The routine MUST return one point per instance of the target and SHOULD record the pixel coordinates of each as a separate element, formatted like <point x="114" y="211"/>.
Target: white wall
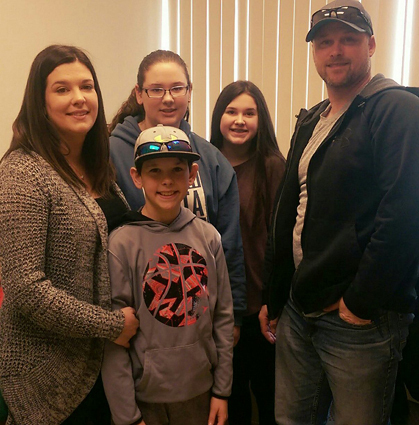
<point x="117" y="34"/>
<point x="112" y="32"/>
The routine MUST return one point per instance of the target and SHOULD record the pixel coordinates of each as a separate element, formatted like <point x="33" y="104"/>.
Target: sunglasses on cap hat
<point x="171" y="146"/>
<point x="350" y="15"/>
<point x="163" y="141"/>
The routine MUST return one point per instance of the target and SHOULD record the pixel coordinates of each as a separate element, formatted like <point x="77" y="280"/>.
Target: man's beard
<point x="350" y="79"/>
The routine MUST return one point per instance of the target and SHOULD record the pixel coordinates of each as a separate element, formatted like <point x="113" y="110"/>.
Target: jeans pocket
<point x="403" y="321"/>
<point x="348" y="325"/>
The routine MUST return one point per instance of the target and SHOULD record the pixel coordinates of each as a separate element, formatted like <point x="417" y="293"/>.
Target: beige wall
<point x="119" y="33"/>
<point x="112" y="32"/>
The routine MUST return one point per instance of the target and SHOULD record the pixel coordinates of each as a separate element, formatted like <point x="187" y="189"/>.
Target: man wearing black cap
<point x="343" y="257"/>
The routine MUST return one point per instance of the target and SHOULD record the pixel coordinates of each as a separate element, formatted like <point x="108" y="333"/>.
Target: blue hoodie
<point x="214" y="197"/>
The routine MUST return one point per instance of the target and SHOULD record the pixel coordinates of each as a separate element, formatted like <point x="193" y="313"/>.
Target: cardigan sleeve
<point x="25" y="202"/>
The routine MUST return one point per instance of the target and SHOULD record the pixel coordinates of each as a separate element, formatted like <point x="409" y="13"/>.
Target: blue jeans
<point x="325" y="358"/>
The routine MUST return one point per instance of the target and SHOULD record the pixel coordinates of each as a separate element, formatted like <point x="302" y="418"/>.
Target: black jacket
<point x="360" y="238"/>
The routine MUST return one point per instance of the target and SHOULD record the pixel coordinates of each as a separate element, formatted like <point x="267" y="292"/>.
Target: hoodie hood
<point x="128" y="131"/>
<point x="185" y="126"/>
<point x="136" y="218"/>
<point x="378" y="84"/>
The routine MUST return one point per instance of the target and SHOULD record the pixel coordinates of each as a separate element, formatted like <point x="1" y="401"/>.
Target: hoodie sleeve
<point x="223" y="324"/>
<point x="222" y="195"/>
<point x="228" y="224"/>
<point x="117" y="376"/>
<point x="121" y="145"/>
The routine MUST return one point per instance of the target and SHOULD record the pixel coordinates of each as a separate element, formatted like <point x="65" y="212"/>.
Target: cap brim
<point x="190" y="156"/>
<point x="312" y="33"/>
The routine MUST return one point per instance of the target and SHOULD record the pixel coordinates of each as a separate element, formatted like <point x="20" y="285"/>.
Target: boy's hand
<point x="130" y="327"/>
<point x="218" y="412"/>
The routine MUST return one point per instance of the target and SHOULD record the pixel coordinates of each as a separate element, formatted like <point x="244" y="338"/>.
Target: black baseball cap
<point x="349" y="12"/>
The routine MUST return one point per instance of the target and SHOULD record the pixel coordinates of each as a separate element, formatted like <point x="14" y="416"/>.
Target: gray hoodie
<point x="175" y="276"/>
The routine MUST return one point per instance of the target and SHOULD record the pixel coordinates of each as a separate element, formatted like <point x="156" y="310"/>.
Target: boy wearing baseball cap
<point x="170" y="267"/>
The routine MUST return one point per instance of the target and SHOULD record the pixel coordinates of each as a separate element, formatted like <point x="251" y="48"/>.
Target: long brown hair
<point x="34" y="132"/>
<point x="131" y="107"/>
<point x="264" y="143"/>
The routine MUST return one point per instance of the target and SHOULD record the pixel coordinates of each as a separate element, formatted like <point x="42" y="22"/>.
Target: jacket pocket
<point x="331" y="251"/>
<point x="175" y="374"/>
<point x="331" y="256"/>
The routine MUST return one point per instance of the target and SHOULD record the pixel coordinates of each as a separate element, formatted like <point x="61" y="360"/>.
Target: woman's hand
<point x="130" y="327"/>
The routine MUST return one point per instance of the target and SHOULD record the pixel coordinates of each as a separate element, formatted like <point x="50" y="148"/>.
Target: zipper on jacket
<point x="290" y="153"/>
<point x="278" y="201"/>
<point x="329" y="137"/>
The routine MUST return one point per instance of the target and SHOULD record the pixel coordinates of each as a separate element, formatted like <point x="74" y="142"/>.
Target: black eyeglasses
<point x="159" y="92"/>
<point x="172" y="146"/>
<point x="345" y="13"/>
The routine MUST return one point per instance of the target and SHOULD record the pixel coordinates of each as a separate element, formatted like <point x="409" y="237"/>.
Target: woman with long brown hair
<point x="57" y="201"/>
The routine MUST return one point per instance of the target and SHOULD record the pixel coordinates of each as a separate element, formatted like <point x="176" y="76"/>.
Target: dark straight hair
<point x="34" y="132"/>
<point x="264" y="143"/>
<point x="131" y="107"/>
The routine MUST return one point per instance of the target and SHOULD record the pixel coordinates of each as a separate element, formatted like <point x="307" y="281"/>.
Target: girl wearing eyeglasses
<point x="161" y="96"/>
<point x="242" y="129"/>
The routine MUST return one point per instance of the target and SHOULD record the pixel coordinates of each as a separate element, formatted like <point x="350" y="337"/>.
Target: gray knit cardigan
<point x="56" y="311"/>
